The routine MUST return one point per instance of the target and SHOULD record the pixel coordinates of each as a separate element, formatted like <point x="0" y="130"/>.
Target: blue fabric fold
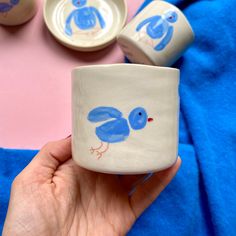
<point x="12" y="163"/>
<point x="201" y="198"/>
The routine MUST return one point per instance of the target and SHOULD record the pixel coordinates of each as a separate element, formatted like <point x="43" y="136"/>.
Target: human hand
<point x="54" y="196"/>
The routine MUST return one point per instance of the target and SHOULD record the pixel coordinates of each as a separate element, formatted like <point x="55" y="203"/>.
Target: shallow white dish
<point x="85" y="25"/>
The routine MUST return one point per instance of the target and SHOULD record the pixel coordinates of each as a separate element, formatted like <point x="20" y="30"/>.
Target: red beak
<point x="150" y="119"/>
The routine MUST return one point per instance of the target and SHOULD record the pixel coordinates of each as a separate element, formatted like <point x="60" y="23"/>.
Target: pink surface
<point x="35" y="82"/>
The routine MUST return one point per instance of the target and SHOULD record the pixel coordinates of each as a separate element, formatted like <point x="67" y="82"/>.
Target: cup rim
<point x="152" y="67"/>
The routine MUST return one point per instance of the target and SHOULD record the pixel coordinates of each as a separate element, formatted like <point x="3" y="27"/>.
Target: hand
<point x="54" y="196"/>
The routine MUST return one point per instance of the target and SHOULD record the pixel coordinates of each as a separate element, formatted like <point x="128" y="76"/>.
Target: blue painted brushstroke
<point x="117" y="130"/>
<point x="159" y="27"/>
<point x="113" y="131"/>
<point x="138" y="118"/>
<point x="103" y="113"/>
<point x="84" y="17"/>
<point x="6" y="7"/>
<point x="165" y="41"/>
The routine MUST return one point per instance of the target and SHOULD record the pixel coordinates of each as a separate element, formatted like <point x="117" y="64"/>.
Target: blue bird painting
<point x="116" y="129"/>
<point x="85" y="17"/>
<point x="5" y="7"/>
<point x="159" y="27"/>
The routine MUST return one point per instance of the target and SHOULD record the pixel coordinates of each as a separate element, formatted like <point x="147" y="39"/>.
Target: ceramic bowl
<point x="16" y="12"/>
<point x="158" y="35"/>
<point x="125" y="118"/>
<point x="85" y="25"/>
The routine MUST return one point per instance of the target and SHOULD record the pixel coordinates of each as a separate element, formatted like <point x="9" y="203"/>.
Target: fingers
<point x="148" y="191"/>
<point x="53" y="154"/>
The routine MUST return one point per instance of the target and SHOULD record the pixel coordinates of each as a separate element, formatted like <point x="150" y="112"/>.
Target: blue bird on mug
<point x="160" y="27"/>
<point x="116" y="129"/>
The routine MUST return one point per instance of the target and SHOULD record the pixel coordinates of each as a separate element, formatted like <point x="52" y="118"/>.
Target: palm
<point x="65" y="199"/>
<point x="90" y="203"/>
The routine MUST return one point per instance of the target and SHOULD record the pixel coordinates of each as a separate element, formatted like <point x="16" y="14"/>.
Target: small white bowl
<point x="85" y="25"/>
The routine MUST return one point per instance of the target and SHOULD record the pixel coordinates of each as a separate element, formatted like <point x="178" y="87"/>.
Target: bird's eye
<point x="140" y="113"/>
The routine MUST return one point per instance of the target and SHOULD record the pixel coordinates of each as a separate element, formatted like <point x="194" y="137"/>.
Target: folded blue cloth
<point x="201" y="198"/>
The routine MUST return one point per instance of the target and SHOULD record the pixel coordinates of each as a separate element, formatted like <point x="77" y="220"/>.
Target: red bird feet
<point x="99" y="150"/>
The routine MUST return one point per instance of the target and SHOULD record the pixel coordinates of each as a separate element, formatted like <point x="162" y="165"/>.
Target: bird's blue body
<point x="116" y="130"/>
<point x="158" y="27"/>
<point x="84" y="17"/>
<point x="113" y="131"/>
<point x="6" y="7"/>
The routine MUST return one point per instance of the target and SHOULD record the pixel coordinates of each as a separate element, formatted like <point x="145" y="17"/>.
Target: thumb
<point x="53" y="154"/>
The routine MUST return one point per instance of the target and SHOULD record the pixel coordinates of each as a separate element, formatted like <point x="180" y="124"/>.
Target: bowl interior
<point x="85" y="23"/>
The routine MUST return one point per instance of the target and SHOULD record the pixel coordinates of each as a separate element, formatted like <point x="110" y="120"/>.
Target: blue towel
<point x="201" y="198"/>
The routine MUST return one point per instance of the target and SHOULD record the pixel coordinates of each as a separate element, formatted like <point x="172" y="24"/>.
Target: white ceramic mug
<point x="158" y="35"/>
<point x="16" y="12"/>
<point x="125" y="118"/>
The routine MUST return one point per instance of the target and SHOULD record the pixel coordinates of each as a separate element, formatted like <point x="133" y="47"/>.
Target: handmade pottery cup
<point x="125" y="118"/>
<point x="16" y="12"/>
<point x="158" y="35"/>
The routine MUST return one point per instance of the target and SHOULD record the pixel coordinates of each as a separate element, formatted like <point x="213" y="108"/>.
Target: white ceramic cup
<point x="158" y="35"/>
<point x="125" y="118"/>
<point x="16" y="12"/>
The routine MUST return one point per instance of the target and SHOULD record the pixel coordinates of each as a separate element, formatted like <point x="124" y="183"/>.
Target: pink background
<point x="35" y="82"/>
